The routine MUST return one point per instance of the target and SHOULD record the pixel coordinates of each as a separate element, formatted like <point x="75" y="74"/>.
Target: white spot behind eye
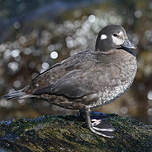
<point x="103" y="36"/>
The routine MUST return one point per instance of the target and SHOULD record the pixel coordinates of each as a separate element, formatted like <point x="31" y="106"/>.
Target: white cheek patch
<point x="117" y="41"/>
<point x="120" y="34"/>
<point x="103" y="36"/>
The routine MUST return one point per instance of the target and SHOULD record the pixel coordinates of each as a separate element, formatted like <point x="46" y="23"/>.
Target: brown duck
<point x="88" y="79"/>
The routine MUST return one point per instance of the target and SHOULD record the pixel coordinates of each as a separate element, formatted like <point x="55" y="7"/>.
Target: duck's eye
<point x="115" y="35"/>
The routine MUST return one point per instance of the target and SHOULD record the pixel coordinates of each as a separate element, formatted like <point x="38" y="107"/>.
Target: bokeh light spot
<point x="54" y="55"/>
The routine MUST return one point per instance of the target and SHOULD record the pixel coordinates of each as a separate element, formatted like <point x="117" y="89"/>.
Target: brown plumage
<point x="90" y="78"/>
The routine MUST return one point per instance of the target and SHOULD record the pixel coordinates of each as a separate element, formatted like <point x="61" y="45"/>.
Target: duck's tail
<point x="18" y="95"/>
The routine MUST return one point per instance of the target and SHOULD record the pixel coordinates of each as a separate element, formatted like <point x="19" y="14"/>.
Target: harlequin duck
<point x="88" y="79"/>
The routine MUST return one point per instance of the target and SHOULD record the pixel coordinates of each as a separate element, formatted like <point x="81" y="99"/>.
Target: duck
<point x="88" y="79"/>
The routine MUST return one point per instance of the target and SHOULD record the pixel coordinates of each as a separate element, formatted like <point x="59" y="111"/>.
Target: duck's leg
<point x="95" y="125"/>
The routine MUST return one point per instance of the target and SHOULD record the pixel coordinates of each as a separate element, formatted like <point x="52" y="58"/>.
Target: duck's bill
<point x="128" y="44"/>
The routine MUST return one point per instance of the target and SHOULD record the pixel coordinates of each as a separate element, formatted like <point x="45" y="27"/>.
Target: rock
<point x="69" y="134"/>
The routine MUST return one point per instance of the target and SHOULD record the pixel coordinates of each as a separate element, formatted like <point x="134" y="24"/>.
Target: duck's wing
<point x="74" y="84"/>
<point x="59" y="70"/>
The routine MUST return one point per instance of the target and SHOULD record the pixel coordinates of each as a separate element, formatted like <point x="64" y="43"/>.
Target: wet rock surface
<point x="68" y="133"/>
<point x="34" y="44"/>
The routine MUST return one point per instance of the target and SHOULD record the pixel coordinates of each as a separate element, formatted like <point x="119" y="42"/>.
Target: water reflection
<point x="13" y="66"/>
<point x="35" y="46"/>
<point x="54" y="55"/>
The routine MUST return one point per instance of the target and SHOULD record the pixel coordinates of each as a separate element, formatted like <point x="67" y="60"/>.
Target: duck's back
<point x="80" y="61"/>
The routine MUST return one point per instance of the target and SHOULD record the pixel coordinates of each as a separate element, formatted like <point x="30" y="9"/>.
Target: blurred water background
<point x="35" y="34"/>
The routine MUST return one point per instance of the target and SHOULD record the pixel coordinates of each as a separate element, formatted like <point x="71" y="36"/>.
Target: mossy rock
<point x="69" y="134"/>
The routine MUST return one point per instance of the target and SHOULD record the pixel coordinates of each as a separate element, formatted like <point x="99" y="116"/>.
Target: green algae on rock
<point x="68" y="133"/>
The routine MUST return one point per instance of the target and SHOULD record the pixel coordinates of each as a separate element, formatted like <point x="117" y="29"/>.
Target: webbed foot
<point x="97" y="126"/>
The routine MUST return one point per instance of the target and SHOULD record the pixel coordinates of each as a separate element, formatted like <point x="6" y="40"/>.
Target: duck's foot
<point x="98" y="126"/>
